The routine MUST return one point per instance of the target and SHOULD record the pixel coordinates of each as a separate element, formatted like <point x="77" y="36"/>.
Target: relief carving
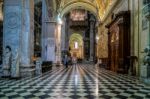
<point x="7" y="61"/>
<point x="12" y="20"/>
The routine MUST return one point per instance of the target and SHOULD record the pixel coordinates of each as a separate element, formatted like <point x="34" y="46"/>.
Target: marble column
<point x="58" y="44"/>
<point x="67" y="33"/>
<point x="18" y="32"/>
<point x="48" y="34"/>
<point x="92" y="39"/>
<point x="27" y="38"/>
<point x="63" y="34"/>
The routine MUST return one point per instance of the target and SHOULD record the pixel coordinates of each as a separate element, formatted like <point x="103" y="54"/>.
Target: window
<point x="76" y="45"/>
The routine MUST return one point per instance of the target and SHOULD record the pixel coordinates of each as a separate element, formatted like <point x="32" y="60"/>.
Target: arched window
<point x="76" y="45"/>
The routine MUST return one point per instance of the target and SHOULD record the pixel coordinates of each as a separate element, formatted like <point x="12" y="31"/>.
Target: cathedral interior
<point x="74" y="49"/>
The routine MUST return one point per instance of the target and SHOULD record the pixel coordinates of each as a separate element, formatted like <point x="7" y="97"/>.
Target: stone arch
<point x="79" y="5"/>
<point x="76" y="36"/>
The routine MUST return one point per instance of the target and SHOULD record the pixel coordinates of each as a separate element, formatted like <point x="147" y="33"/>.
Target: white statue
<point x="15" y="65"/>
<point x="7" y="61"/>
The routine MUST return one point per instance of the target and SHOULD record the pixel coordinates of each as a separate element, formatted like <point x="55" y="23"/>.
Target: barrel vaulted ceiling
<point x="100" y="8"/>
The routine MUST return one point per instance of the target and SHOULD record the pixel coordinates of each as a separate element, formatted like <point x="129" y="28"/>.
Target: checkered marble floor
<point x="83" y="81"/>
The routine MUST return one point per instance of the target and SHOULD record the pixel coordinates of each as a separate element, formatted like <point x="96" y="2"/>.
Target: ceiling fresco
<point x="99" y="8"/>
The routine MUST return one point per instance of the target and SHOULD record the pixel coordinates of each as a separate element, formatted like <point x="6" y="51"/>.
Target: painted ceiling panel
<point x="101" y="6"/>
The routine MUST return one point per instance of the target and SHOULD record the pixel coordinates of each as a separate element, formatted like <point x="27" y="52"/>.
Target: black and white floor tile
<point x="83" y="81"/>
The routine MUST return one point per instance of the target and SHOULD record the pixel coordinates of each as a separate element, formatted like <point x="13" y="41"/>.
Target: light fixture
<point x="97" y="37"/>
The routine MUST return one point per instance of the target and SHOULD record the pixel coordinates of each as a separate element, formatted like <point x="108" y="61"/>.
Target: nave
<point x="83" y="81"/>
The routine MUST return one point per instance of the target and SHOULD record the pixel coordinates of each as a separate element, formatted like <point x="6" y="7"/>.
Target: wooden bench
<point x="46" y="66"/>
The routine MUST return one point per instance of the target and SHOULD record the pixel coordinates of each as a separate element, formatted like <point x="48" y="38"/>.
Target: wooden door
<point x="119" y="34"/>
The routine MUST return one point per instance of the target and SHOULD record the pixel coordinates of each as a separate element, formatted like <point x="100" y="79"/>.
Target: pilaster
<point x="48" y="34"/>
<point x="18" y="33"/>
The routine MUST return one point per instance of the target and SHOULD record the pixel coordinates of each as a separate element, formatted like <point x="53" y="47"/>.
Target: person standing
<point x="66" y="61"/>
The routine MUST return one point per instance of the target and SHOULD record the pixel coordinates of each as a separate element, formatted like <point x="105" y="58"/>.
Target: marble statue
<point x="7" y="61"/>
<point x="146" y="60"/>
<point x="145" y="68"/>
<point x="15" y="65"/>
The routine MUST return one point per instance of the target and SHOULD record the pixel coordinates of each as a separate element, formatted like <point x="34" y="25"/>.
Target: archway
<point x="76" y="45"/>
<point x="82" y="22"/>
<point x="79" y="5"/>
